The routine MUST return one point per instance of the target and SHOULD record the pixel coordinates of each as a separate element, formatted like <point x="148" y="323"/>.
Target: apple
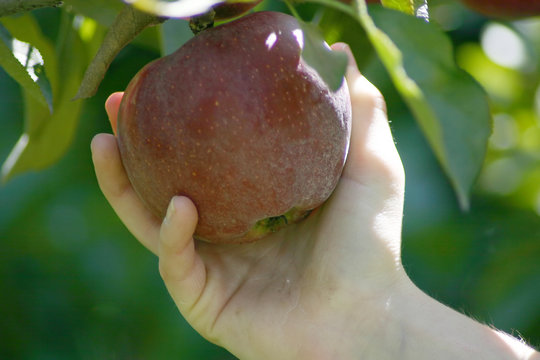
<point x="505" y="8"/>
<point x="239" y="123"/>
<point x="227" y="11"/>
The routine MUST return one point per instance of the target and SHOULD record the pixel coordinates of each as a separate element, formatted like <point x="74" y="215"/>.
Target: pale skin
<point x="330" y="287"/>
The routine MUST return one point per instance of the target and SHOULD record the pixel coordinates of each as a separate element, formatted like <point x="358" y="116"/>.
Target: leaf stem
<point x="11" y="7"/>
<point x="347" y="9"/>
<point x="127" y="25"/>
<point x="292" y="10"/>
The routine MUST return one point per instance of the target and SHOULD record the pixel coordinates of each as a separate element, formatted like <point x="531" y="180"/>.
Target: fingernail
<point x="170" y="211"/>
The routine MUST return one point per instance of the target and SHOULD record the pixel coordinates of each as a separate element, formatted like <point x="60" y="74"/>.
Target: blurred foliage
<point x="74" y="284"/>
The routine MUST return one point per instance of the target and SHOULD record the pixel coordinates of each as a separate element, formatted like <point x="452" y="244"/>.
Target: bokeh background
<point x="74" y="284"/>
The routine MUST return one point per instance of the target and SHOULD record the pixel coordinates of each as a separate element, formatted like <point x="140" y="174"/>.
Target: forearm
<point x="423" y="328"/>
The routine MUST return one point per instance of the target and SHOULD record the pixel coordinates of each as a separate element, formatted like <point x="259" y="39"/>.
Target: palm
<point x="263" y="286"/>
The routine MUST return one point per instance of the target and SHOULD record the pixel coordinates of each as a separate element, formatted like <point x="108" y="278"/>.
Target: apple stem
<point x="202" y="22"/>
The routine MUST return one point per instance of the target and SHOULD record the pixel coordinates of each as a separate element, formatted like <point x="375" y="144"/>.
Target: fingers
<point x="112" y="105"/>
<point x="117" y="188"/>
<point x="372" y="155"/>
<point x="181" y="268"/>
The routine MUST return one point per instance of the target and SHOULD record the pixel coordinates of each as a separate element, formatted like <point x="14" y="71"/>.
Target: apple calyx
<point x="273" y="224"/>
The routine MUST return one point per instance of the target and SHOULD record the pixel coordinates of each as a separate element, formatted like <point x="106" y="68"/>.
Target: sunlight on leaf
<point x="450" y="107"/>
<point x="405" y="6"/>
<point x="330" y="65"/>
<point x="24" y="63"/>
<point x="46" y="135"/>
<point x="26" y="28"/>
<point x="179" y="8"/>
<point x="417" y="8"/>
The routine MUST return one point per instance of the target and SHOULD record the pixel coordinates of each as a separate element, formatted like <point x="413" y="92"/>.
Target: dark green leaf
<point x="43" y="83"/>
<point x="103" y="11"/>
<point x="330" y="65"/>
<point x="340" y="27"/>
<point x="450" y="107"/>
<point x="174" y="33"/>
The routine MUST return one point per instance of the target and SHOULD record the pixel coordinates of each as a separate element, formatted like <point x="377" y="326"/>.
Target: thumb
<point x="180" y="266"/>
<point x="373" y="158"/>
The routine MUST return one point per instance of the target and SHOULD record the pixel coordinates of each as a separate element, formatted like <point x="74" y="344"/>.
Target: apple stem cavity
<point x="199" y="23"/>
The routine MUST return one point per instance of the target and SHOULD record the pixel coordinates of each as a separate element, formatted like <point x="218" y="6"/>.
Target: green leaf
<point x="24" y="63"/>
<point x="47" y="136"/>
<point x="411" y="7"/>
<point x="405" y="6"/>
<point x="174" y="9"/>
<point x="25" y="28"/>
<point x="174" y="33"/>
<point x="450" y="107"/>
<point x="330" y="65"/>
<point x="103" y="11"/>
<point x="340" y="27"/>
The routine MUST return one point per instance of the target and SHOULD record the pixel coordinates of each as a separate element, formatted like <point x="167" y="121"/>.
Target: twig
<point x="10" y="7"/>
<point x="127" y="25"/>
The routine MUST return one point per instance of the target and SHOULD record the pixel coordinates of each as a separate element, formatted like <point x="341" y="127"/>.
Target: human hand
<point x="294" y="293"/>
<point x="330" y="287"/>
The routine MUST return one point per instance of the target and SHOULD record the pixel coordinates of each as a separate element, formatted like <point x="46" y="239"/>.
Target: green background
<point x="74" y="284"/>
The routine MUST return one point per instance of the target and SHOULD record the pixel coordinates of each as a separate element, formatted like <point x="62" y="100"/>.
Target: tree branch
<point x="10" y="7"/>
<point x="127" y="25"/>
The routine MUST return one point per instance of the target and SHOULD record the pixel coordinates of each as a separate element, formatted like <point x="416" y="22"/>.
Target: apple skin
<point x="236" y="121"/>
<point x="231" y="10"/>
<point x="505" y="9"/>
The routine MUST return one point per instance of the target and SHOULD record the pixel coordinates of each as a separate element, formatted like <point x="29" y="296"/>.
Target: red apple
<point x="231" y="10"/>
<point x="236" y="121"/>
<point x="505" y="8"/>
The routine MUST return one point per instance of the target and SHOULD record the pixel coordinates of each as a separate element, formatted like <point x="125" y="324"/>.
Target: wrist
<point x="423" y="328"/>
<point x="365" y="327"/>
